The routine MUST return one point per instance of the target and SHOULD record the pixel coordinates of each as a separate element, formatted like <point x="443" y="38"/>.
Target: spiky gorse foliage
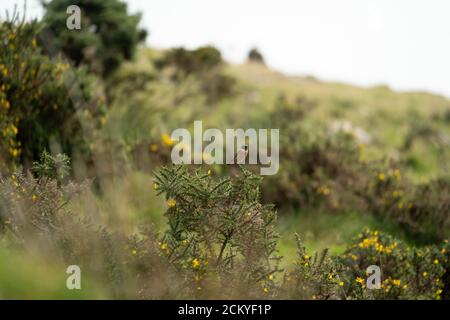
<point x="34" y="208"/>
<point x="219" y="231"/>
<point x="38" y="214"/>
<point x="407" y="272"/>
<point x="43" y="101"/>
<point x="314" y="277"/>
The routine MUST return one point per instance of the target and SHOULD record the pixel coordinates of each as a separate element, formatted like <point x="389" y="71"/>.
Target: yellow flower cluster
<point x="323" y="190"/>
<point x="438" y="294"/>
<point x="195" y="263"/>
<point x="171" y="203"/>
<point x="167" y="140"/>
<point x="389" y="283"/>
<point x="154" y="147"/>
<point x="373" y="242"/>
<point x="392" y="173"/>
<point x="397" y="193"/>
<point x="164" y="247"/>
<point x="14" y="146"/>
<point x="4" y="103"/>
<point x="10" y="130"/>
<point x="360" y="281"/>
<point x="61" y="67"/>
<point x="3" y="70"/>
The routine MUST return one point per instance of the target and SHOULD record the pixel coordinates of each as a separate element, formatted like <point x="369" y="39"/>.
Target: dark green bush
<point x="255" y="56"/>
<point x="108" y="34"/>
<point x="191" y="61"/>
<point x="205" y="64"/>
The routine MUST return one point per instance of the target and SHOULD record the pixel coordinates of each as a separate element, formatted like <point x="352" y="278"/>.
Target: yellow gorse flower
<point x="164" y="247"/>
<point x="195" y="263"/>
<point x="373" y="242"/>
<point x="167" y="140"/>
<point x="323" y="190"/>
<point x="171" y="202"/>
<point x="153" y="147"/>
<point x="14" y="129"/>
<point x="396" y="282"/>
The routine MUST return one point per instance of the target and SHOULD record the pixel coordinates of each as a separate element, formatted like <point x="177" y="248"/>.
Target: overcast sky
<point x="402" y="43"/>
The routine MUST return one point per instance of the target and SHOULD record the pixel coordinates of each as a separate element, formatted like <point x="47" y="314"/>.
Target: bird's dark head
<point x="245" y="147"/>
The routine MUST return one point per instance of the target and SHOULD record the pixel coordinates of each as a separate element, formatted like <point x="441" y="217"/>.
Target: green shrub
<point x="422" y="210"/>
<point x="331" y="172"/>
<point x="407" y="272"/>
<point x="45" y="103"/>
<point x="36" y="207"/>
<point x="108" y="34"/>
<point x="205" y="64"/>
<point x="219" y="232"/>
<point x="314" y="277"/>
<point x="322" y="172"/>
<point x="195" y="61"/>
<point x="255" y="56"/>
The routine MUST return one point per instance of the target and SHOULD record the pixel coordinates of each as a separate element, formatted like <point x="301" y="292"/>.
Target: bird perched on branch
<point x="241" y="155"/>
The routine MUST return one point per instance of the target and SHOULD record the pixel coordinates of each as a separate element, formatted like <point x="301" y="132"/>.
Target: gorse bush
<point x="322" y="171"/>
<point x="220" y="242"/>
<point x="53" y="167"/>
<point x="219" y="231"/>
<point x="35" y="207"/>
<point x="313" y="277"/>
<point x="44" y="103"/>
<point x="37" y="215"/>
<point x="422" y="210"/>
<point x="331" y="172"/>
<point x="407" y="272"/>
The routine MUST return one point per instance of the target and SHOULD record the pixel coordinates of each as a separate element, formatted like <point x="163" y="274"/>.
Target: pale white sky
<point x="402" y="43"/>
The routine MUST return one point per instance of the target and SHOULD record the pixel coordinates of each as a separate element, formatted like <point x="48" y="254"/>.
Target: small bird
<point x="241" y="155"/>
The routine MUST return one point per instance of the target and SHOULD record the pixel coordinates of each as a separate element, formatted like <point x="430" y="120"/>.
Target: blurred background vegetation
<point x="352" y="159"/>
